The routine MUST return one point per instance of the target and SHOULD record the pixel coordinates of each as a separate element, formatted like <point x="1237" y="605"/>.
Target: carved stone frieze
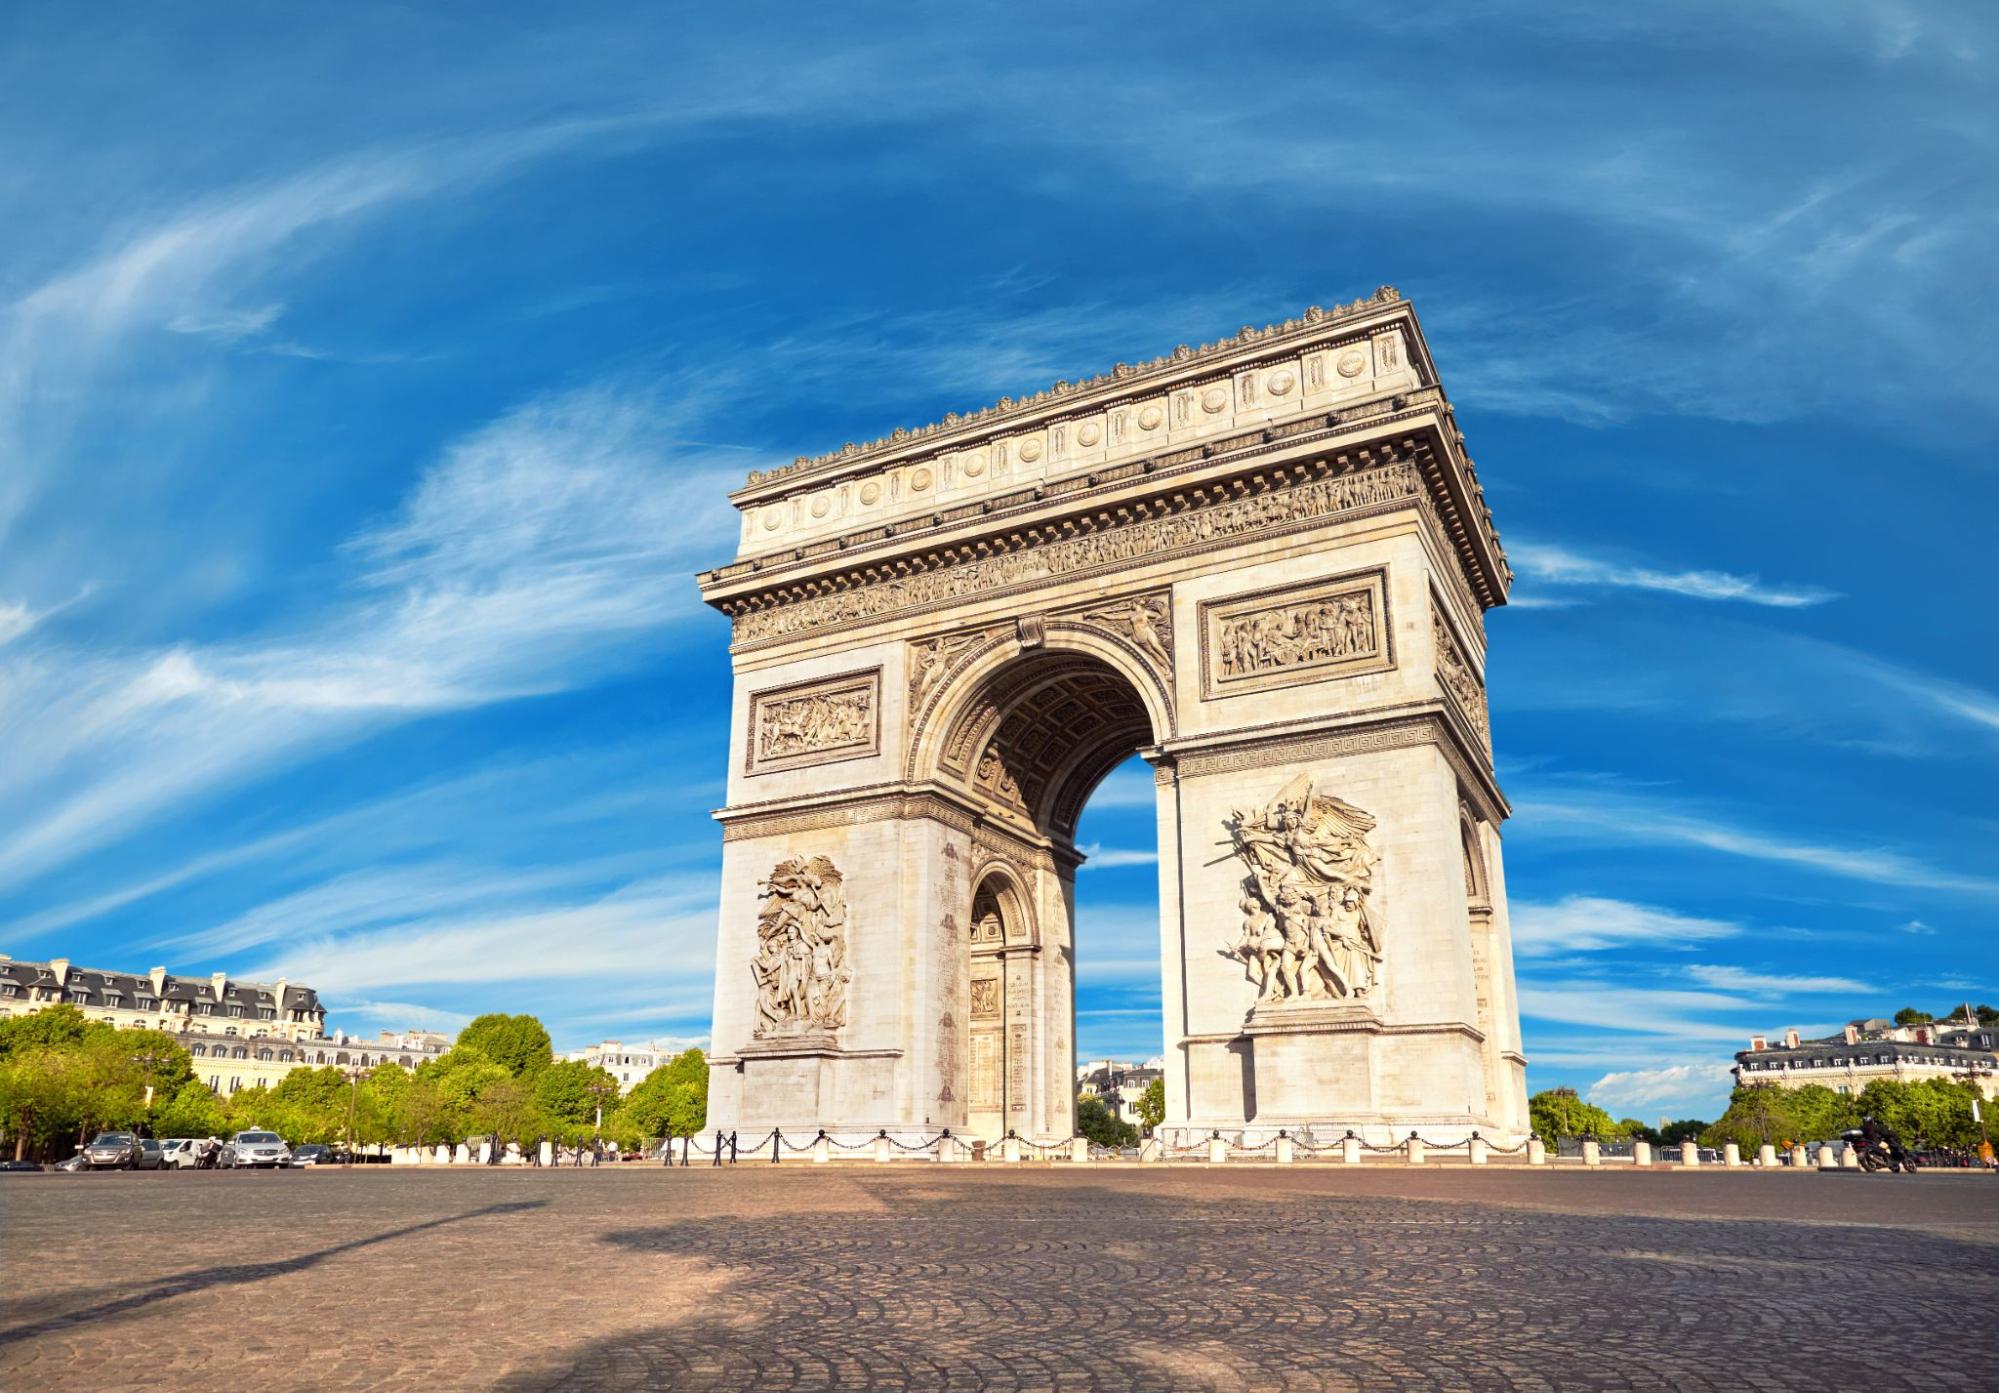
<point x="815" y="722"/>
<point x="1119" y="542"/>
<point x="1306" y="935"/>
<point x="1146" y="621"/>
<point x="931" y="660"/>
<point x="800" y="967"/>
<point x="1456" y="677"/>
<point x="1289" y="634"/>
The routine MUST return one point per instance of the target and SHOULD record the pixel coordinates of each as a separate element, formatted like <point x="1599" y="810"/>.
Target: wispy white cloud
<point x="397" y="1014"/>
<point x="1663" y="1013"/>
<point x="1587" y="923"/>
<point x="16" y="619"/>
<point x="1917" y="926"/>
<point x="519" y="565"/>
<point x="227" y="325"/>
<point x="1103" y="858"/>
<point x="1602" y="816"/>
<point x="1742" y="980"/>
<point x="1557" y="565"/>
<point x="1694" y="1088"/>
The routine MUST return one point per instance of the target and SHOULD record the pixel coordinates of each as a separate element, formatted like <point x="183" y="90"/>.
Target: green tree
<point x="671" y="1101"/>
<point x="562" y="1092"/>
<point x="1638" y="1131"/>
<point x="1095" y="1120"/>
<point x="1818" y="1113"/>
<point x="309" y="1105"/>
<point x="1152" y="1105"/>
<point x="1909" y="1015"/>
<point x="1683" y="1130"/>
<point x="1757" y="1113"/>
<point x="54" y="1027"/>
<point x="518" y="1044"/>
<point x="193" y="1110"/>
<point x="1555" y="1113"/>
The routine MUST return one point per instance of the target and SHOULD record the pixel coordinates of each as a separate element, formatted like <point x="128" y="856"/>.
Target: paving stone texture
<point x="919" y="1278"/>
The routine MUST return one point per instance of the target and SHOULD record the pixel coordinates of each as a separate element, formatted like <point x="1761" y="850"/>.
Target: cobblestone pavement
<point x="919" y="1277"/>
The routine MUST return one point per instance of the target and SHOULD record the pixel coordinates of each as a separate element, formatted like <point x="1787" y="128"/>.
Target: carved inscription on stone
<point x="1286" y="635"/>
<point x="1140" y="540"/>
<point x="815" y="723"/>
<point x="1306" y="934"/>
<point x="1456" y="677"/>
<point x="800" y="966"/>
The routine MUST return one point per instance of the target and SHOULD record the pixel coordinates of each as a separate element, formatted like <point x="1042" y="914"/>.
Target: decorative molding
<point x="1194" y="521"/>
<point x="1288" y="635"/>
<point x="1460" y="683"/>
<point x="822" y="721"/>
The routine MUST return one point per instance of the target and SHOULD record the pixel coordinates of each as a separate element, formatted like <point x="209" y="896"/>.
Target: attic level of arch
<point x="1137" y="494"/>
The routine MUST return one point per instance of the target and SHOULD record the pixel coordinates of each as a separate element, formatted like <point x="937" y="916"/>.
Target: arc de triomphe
<point x="1262" y="565"/>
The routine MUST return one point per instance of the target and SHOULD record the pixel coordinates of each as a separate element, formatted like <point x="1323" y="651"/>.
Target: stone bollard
<point x="548" y="1153"/>
<point x="1828" y="1157"/>
<point x="1849" y="1158"/>
<point x="1350" y="1149"/>
<point x="882" y="1151"/>
<point x="1284" y="1156"/>
<point x="1010" y="1148"/>
<point x="822" y="1149"/>
<point x="1477" y="1149"/>
<point x="1690" y="1154"/>
<point x="1641" y="1153"/>
<point x="1537" y="1152"/>
<point x="1799" y="1160"/>
<point x="1766" y="1156"/>
<point x="1218" y="1150"/>
<point x="1152" y="1150"/>
<point x="1079" y="1150"/>
<point x="443" y="1154"/>
<point x="1415" y="1149"/>
<point x="1592" y="1152"/>
<point x="1731" y="1154"/>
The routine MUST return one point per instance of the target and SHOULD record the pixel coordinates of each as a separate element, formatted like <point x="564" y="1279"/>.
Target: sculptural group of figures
<point x="814" y="723"/>
<point x="1322" y="631"/>
<point x="1306" y="935"/>
<point x="801" y="967"/>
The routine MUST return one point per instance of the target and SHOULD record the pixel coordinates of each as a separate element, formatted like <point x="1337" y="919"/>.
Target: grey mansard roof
<point x="89" y="986"/>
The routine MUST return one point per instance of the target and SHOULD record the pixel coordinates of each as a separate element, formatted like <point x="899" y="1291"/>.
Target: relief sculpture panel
<point x="815" y="722"/>
<point x="1458" y="679"/>
<point x="1287" y="635"/>
<point x="800" y="967"/>
<point x="1306" y="934"/>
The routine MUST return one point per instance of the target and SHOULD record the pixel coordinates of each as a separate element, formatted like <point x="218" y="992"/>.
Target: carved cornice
<point x="1124" y="377"/>
<point x="1201" y="518"/>
<point x="878" y="803"/>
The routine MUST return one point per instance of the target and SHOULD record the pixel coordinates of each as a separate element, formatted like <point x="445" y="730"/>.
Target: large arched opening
<point x="1024" y="738"/>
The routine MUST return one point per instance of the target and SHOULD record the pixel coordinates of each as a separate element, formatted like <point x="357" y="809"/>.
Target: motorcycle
<point x="1880" y="1154"/>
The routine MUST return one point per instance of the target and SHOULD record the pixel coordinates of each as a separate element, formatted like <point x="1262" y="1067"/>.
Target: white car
<point x="179" y="1152"/>
<point x="259" y="1149"/>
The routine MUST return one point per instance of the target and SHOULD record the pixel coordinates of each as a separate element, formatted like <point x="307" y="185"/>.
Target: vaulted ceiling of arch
<point x="1056" y="740"/>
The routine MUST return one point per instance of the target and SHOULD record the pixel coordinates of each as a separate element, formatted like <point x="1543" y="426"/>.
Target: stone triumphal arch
<point x="1262" y="565"/>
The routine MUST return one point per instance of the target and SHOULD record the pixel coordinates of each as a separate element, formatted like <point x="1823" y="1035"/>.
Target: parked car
<point x="178" y="1152"/>
<point x="313" y="1153"/>
<point x="78" y="1162"/>
<point x="151" y="1157"/>
<point x="19" y="1166"/>
<point x="257" y="1149"/>
<point x="112" y="1151"/>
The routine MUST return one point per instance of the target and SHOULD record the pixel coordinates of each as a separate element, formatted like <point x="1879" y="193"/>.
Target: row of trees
<point x="64" y="1077"/>
<point x="1925" y="1113"/>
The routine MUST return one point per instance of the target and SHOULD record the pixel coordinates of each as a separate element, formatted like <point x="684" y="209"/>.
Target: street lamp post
<point x="597" y="1088"/>
<point x="149" y="1061"/>
<point x="355" y="1073"/>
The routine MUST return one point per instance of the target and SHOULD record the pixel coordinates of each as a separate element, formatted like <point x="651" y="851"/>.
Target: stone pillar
<point x="1641" y="1153"/>
<point x="822" y="1150"/>
<point x="1416" y="1151"/>
<point x="1849" y="1158"/>
<point x="443" y="1154"/>
<point x="1010" y="1148"/>
<point x="1079" y="1150"/>
<point x="1799" y="1160"/>
<point x="1152" y="1150"/>
<point x="1690" y="1154"/>
<point x="1350" y="1149"/>
<point x="1284" y="1156"/>
<point x="548" y="1153"/>
<point x="1731" y="1154"/>
<point x="1766" y="1156"/>
<point x="1537" y="1152"/>
<point x="1828" y="1157"/>
<point x="1592" y="1152"/>
<point x="1218" y="1151"/>
<point x="1478" y="1151"/>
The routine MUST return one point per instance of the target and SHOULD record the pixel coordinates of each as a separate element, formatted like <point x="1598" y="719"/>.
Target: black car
<point x="313" y="1154"/>
<point x="19" y="1166"/>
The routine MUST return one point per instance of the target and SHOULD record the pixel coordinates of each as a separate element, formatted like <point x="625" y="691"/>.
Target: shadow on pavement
<point x="237" y="1275"/>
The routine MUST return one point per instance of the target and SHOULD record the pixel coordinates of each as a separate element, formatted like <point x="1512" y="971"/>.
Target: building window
<point x="319" y="1058"/>
<point x="235" y="1010"/>
<point x="235" y="1084"/>
<point x="197" y="1050"/>
<point x="263" y="1054"/>
<point x="404" y="1061"/>
<point x="239" y="1053"/>
<point x="215" y="1083"/>
<point x="340" y="1058"/>
<point x="284" y="1056"/>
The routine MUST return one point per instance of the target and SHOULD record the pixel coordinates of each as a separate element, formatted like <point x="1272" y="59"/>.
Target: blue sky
<point x="369" y="390"/>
